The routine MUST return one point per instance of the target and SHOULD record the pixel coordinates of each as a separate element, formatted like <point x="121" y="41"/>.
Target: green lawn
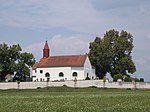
<point x="63" y="99"/>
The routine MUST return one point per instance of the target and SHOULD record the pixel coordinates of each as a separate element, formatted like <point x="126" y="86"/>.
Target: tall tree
<point x="100" y="57"/>
<point x="12" y="59"/>
<point x="112" y="54"/>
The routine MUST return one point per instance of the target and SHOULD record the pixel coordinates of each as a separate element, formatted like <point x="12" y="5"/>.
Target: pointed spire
<point x="46" y="45"/>
<point x="46" y="50"/>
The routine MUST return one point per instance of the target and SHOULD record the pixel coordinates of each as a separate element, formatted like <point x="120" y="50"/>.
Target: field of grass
<point x="63" y="99"/>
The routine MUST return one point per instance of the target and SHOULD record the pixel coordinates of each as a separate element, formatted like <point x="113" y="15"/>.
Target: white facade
<point x="63" y="73"/>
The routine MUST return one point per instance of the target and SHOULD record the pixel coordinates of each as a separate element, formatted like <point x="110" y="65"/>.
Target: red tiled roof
<point x="35" y="66"/>
<point x="59" y="61"/>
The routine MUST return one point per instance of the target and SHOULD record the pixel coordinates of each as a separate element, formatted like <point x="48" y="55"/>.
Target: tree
<point x="100" y="57"/>
<point x="112" y="54"/>
<point x="13" y="60"/>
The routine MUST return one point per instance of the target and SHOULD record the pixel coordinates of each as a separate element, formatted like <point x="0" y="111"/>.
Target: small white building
<point x="67" y="67"/>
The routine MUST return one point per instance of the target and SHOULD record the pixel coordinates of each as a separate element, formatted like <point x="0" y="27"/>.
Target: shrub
<point x="127" y="79"/>
<point x="117" y="76"/>
<point x="136" y="80"/>
<point x="141" y="79"/>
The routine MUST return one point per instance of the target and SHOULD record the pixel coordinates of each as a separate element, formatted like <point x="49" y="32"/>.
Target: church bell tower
<point x="46" y="50"/>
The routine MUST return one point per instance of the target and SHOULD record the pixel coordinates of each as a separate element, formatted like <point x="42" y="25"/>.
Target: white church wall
<point x="54" y="73"/>
<point x="34" y="74"/>
<point x="88" y="71"/>
<point x="79" y="71"/>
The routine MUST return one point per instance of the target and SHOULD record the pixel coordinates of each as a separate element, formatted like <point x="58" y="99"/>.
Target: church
<point x="60" y="68"/>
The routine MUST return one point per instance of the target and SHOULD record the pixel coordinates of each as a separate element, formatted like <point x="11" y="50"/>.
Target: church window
<point x="41" y="71"/>
<point x="61" y="74"/>
<point x="47" y="75"/>
<point x="74" y="74"/>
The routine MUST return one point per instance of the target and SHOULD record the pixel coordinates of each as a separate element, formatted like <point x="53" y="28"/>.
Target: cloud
<point x="36" y="49"/>
<point x="68" y="45"/>
<point x="75" y="15"/>
<point x="140" y="61"/>
<point x="104" y="5"/>
<point x="82" y="16"/>
<point x="60" y="45"/>
<point x="142" y="66"/>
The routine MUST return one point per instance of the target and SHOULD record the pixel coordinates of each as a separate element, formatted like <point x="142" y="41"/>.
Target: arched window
<point x="61" y="74"/>
<point x="74" y="74"/>
<point x="47" y="75"/>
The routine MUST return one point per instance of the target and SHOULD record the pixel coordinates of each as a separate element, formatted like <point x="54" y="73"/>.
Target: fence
<point x="83" y="83"/>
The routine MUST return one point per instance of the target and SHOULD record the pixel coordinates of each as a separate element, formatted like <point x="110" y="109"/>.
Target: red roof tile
<point x="35" y="66"/>
<point x="59" y="61"/>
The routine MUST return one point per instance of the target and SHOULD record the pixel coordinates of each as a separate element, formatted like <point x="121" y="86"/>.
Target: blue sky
<point x="69" y="25"/>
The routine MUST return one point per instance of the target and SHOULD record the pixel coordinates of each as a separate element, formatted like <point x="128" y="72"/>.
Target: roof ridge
<point x="69" y="55"/>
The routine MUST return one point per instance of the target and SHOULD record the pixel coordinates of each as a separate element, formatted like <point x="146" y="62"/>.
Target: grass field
<point x="63" y="99"/>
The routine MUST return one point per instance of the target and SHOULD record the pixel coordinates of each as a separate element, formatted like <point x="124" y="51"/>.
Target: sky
<point x="70" y="25"/>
